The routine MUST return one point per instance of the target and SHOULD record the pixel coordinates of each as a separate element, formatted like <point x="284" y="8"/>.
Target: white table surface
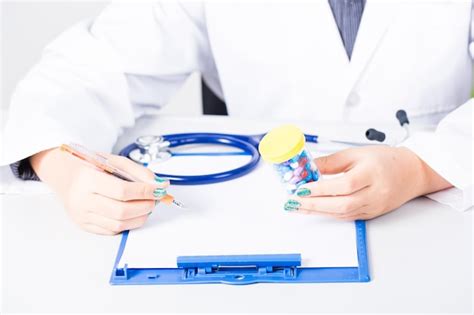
<point x="420" y="260"/>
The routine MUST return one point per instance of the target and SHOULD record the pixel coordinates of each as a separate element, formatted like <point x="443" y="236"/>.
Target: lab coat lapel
<point x="375" y="23"/>
<point x="319" y="63"/>
<point x="341" y="77"/>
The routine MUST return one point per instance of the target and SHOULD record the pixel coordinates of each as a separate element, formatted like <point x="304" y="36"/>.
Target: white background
<point x="28" y="26"/>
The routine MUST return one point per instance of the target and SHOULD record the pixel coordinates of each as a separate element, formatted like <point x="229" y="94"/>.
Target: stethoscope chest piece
<point x="150" y="149"/>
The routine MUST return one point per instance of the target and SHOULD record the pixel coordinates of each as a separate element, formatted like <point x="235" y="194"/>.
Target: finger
<point x="346" y="184"/>
<point x="118" y="189"/>
<point x="340" y="205"/>
<point x="335" y="163"/>
<point x="120" y="210"/>
<point x="92" y="228"/>
<point x="113" y="225"/>
<point x="137" y="170"/>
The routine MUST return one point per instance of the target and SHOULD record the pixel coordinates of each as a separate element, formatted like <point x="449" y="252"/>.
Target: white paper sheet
<point x="242" y="216"/>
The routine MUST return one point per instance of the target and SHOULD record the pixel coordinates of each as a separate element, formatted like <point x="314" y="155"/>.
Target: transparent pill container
<point x="285" y="148"/>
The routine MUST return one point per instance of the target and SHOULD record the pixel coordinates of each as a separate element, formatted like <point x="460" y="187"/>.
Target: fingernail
<point x="292" y="205"/>
<point x="159" y="192"/>
<point x="159" y="179"/>
<point x="303" y="191"/>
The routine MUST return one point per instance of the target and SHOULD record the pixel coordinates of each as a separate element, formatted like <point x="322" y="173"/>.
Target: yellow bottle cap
<point x="281" y="144"/>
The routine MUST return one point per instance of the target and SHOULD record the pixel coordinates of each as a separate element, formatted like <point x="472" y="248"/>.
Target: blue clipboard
<point x="243" y="269"/>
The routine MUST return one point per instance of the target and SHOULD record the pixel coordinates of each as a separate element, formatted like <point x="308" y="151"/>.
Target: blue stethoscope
<point x="147" y="149"/>
<point x="157" y="148"/>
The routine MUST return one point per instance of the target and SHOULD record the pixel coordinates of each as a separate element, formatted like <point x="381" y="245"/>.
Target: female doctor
<point x="343" y="61"/>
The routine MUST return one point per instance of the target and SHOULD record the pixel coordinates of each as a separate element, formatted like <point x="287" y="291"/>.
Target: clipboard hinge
<point x="239" y="269"/>
<point x="121" y="273"/>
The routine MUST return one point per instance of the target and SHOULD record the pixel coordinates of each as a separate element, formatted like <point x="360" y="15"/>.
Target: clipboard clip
<point x="239" y="269"/>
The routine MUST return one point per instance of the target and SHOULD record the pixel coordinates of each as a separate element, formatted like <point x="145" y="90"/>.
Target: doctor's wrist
<point x="428" y="180"/>
<point x="40" y="163"/>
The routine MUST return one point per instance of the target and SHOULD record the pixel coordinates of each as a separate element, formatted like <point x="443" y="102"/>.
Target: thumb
<point x="335" y="163"/>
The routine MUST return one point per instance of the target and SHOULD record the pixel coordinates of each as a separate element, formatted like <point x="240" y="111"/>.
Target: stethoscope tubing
<point x="248" y="145"/>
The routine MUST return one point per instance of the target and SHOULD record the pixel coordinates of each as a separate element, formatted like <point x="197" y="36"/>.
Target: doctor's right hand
<point x="99" y="202"/>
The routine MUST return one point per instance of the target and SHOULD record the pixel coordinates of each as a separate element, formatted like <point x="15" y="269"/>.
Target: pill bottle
<point x="284" y="147"/>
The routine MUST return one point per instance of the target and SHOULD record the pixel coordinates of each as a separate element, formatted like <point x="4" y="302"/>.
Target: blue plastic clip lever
<point x="239" y="269"/>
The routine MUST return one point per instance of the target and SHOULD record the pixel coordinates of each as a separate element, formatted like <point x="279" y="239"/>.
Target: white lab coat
<point x="268" y="60"/>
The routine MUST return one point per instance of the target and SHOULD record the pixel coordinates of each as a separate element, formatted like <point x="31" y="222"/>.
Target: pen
<point x="103" y="164"/>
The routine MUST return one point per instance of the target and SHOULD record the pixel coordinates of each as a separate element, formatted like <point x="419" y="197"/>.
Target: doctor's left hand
<point x="374" y="181"/>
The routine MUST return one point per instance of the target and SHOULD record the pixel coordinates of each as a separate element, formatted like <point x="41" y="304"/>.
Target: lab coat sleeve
<point x="448" y="150"/>
<point x="96" y="78"/>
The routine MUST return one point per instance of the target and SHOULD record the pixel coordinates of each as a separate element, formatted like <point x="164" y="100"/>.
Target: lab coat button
<point x="353" y="99"/>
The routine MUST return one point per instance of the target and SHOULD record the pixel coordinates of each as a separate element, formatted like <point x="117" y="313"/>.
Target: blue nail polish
<point x="302" y="192"/>
<point x="159" y="192"/>
<point x="292" y="205"/>
<point x="160" y="179"/>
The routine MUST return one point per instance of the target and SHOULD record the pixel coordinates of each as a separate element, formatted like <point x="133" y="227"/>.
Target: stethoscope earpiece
<point x="402" y="117"/>
<point x="375" y="135"/>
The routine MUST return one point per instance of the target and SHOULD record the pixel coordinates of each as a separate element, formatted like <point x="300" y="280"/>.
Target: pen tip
<point x="178" y="204"/>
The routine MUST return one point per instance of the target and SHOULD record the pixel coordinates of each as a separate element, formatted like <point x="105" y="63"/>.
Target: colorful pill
<point x="298" y="171"/>
<point x="288" y="175"/>
<point x="295" y="179"/>
<point x="294" y="165"/>
<point x="303" y="161"/>
<point x="294" y="159"/>
<point x="286" y="163"/>
<point x="284" y="169"/>
<point x="304" y="173"/>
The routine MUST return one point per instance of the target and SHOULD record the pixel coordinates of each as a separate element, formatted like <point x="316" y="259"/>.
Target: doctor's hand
<point x="99" y="202"/>
<point x="374" y="181"/>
